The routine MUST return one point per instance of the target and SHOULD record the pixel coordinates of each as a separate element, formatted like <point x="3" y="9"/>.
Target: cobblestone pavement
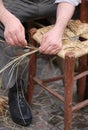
<point x="47" y="110"/>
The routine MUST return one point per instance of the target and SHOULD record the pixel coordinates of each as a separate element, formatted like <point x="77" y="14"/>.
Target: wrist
<point x="2" y="10"/>
<point x="4" y="16"/>
<point x="59" y="30"/>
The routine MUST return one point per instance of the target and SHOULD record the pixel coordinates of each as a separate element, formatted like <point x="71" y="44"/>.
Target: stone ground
<point x="47" y="110"/>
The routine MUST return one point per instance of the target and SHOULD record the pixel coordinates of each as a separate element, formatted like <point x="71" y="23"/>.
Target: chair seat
<point x="71" y="43"/>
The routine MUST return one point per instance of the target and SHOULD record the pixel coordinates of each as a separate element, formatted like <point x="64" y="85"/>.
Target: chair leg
<point x="84" y="11"/>
<point x="32" y="67"/>
<point x="81" y="85"/>
<point x="68" y="91"/>
<point x="32" y="72"/>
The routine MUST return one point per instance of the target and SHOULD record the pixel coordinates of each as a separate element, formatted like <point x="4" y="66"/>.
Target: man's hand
<point x="14" y="32"/>
<point x="51" y="42"/>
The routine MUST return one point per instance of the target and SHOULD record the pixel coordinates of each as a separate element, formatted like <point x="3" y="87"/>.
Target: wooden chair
<point x="70" y="52"/>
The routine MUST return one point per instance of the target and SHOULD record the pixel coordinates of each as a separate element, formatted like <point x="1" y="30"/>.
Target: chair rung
<point x="80" y="105"/>
<point x="48" y="89"/>
<point x="53" y="79"/>
<point x="78" y="76"/>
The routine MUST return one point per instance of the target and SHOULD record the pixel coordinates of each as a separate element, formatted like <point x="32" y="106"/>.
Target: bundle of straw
<point x="3" y="105"/>
<point x="18" y="59"/>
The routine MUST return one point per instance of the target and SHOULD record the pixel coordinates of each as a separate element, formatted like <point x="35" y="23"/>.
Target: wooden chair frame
<point x="68" y="77"/>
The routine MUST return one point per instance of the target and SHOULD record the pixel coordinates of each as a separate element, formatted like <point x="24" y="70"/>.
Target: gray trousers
<point x="23" y="10"/>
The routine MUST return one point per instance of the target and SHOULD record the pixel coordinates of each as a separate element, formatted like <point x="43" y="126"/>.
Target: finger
<point x="8" y="39"/>
<point x="21" y="39"/>
<point x="48" y="49"/>
<point x="43" y="42"/>
<point x="44" y="38"/>
<point x="11" y="39"/>
<point x="52" y="49"/>
<point x="44" y="46"/>
<point x="53" y="52"/>
<point x="15" y="40"/>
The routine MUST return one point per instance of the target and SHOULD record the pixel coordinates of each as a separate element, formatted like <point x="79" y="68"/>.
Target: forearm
<point x="2" y="8"/>
<point x="73" y="2"/>
<point x="4" y="13"/>
<point x="64" y="13"/>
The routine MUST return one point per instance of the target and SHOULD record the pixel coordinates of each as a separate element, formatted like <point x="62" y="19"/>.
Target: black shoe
<point x="19" y="108"/>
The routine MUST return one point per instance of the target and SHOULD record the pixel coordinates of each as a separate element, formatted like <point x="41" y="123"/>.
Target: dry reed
<point x="16" y="60"/>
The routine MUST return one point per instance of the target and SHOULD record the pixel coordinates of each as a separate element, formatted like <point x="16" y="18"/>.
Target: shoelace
<point x="21" y="99"/>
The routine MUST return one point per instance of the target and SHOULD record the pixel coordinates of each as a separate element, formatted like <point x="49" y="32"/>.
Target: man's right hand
<point x="14" y="32"/>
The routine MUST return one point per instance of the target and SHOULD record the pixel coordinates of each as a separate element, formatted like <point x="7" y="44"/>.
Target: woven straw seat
<point x="75" y="45"/>
<point x="71" y="44"/>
